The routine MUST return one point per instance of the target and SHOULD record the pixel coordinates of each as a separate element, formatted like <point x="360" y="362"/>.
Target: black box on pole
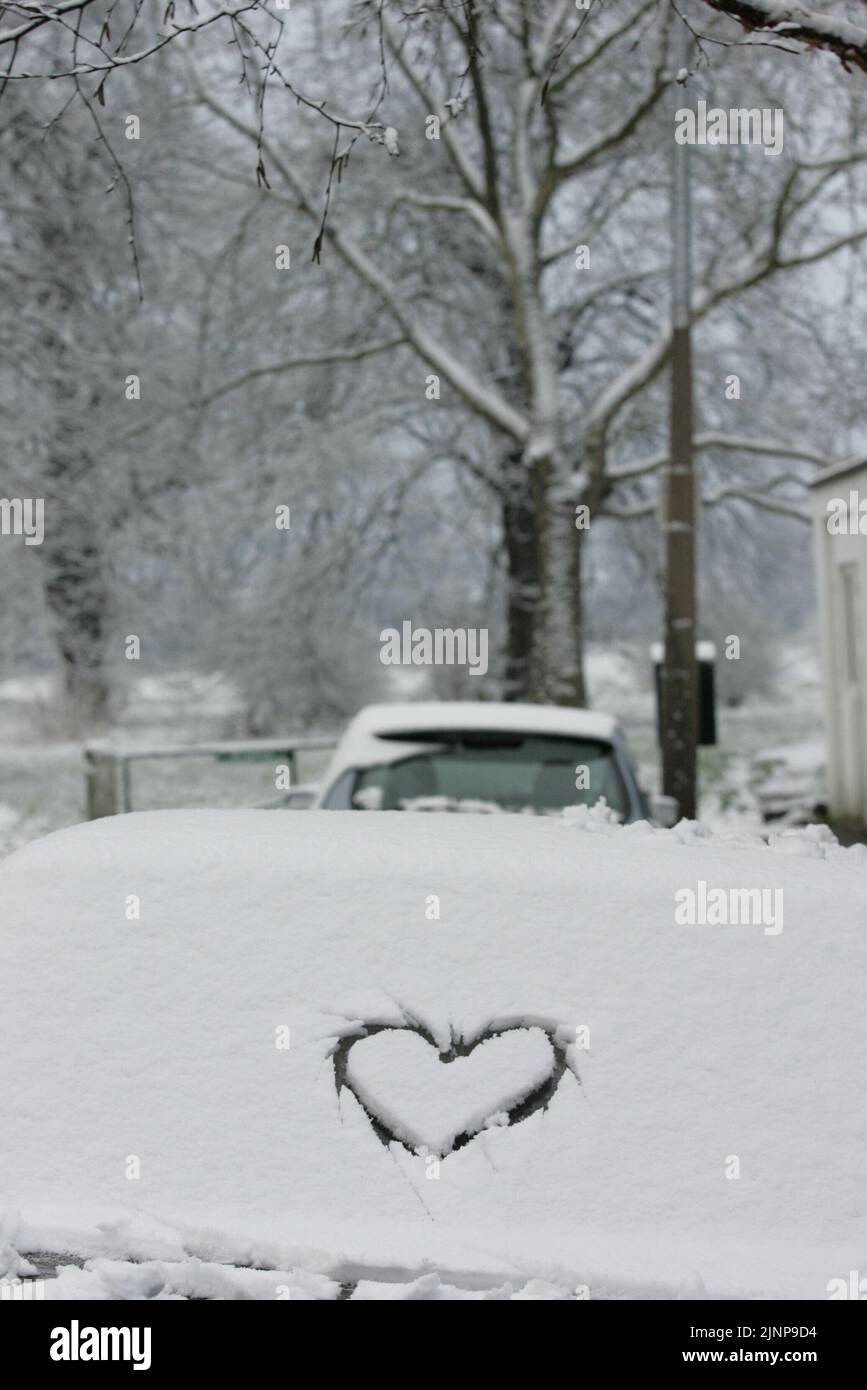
<point x="705" y="655"/>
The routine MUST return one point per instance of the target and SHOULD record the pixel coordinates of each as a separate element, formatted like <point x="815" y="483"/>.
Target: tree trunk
<point x="576" y="688"/>
<point x="523" y="590"/>
<point x="76" y="598"/>
<point x="544" y="595"/>
<point x="564" y="626"/>
<point x="74" y="581"/>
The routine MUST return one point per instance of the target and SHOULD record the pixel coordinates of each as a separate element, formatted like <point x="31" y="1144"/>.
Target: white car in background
<point x="481" y="757"/>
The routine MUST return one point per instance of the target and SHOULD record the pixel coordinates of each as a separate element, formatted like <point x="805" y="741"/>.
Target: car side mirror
<point x="665" y="810"/>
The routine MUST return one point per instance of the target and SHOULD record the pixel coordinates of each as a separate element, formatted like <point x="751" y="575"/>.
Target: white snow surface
<point x="156" y="1040"/>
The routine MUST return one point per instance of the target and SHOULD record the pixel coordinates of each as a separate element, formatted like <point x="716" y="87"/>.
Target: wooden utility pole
<point x="679" y="673"/>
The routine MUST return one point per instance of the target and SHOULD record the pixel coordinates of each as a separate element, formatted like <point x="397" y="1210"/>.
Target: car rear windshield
<point x="509" y="772"/>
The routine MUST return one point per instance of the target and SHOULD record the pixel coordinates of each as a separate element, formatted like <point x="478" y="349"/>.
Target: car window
<point x="339" y="797"/>
<point x="511" y="773"/>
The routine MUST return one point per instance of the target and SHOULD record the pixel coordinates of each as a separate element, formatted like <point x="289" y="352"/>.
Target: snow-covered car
<point x="480" y="756"/>
<point x="790" y="782"/>
<point x="430" y="1057"/>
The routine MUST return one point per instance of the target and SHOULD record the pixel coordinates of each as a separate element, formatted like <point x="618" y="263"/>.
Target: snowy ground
<point x="248" y="1071"/>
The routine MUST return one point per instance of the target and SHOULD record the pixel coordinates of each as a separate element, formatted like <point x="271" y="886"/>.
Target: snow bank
<point x="180" y="991"/>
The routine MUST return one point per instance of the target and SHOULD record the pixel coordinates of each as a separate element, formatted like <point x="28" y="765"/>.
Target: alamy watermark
<point x="855" y="1287"/>
<point x="737" y="126"/>
<point x="440" y="646"/>
<point x="730" y="907"/>
<point x="847" y="517"/>
<point x="77" y="1343"/>
<point x="23" y="516"/>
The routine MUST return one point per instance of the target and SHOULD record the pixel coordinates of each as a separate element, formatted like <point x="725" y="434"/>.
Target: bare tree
<point x="523" y="140"/>
<point x="505" y="88"/>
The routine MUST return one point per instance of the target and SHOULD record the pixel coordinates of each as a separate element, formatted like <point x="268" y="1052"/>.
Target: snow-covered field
<point x="250" y="1053"/>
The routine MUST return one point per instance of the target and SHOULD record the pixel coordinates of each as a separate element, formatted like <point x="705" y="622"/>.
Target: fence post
<point x="100" y="782"/>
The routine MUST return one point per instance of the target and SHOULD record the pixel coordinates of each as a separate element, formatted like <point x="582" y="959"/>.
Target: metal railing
<point x="108" y="769"/>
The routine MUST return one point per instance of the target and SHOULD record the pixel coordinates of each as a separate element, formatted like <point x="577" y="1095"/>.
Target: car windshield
<point x="480" y="771"/>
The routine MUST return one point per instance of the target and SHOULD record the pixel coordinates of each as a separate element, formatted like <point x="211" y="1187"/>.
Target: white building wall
<point x="841" y="561"/>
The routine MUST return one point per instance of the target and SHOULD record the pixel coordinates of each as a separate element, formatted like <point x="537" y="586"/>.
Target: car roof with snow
<point x="385" y="733"/>
<point x="470" y="1056"/>
<point x="554" y="720"/>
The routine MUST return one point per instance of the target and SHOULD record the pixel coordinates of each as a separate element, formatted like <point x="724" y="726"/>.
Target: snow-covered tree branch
<point x="829" y="29"/>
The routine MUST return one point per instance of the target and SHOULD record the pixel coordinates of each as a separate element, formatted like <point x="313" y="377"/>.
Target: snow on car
<point x="478" y="756"/>
<point x="430" y="1057"/>
<point x="790" y="782"/>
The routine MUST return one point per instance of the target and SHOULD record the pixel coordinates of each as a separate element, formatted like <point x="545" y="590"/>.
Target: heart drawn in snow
<point x="424" y="1098"/>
